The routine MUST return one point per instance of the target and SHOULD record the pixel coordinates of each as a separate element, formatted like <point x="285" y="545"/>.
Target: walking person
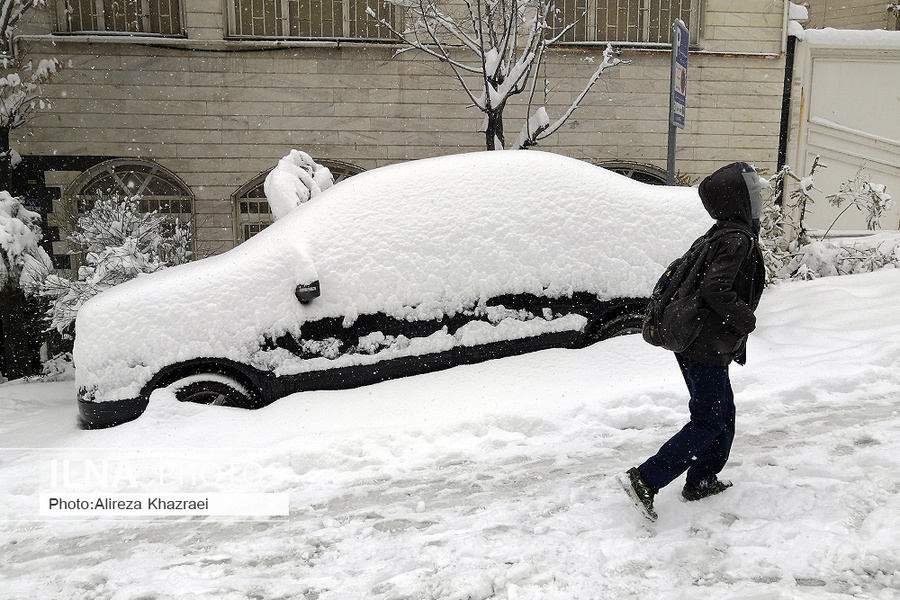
<point x="730" y="287"/>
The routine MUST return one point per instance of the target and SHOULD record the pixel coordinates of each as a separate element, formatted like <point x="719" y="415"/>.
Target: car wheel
<point x="213" y="388"/>
<point x="621" y="324"/>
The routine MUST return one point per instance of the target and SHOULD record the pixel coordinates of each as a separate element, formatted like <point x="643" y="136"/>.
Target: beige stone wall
<point x="217" y="113"/>
<point x="851" y="14"/>
<point x="733" y="26"/>
<point x="205" y="19"/>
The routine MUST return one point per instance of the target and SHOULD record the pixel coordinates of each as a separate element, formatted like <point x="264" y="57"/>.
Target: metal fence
<point x="640" y="22"/>
<point x="637" y="22"/>
<point x="310" y="18"/>
<point x="134" y="17"/>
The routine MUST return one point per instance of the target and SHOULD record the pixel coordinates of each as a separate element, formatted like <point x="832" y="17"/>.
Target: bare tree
<point x="502" y="43"/>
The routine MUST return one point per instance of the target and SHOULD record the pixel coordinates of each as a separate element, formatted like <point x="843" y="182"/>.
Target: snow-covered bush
<point x="295" y="180"/>
<point x="117" y="242"/>
<point x="790" y="253"/>
<point x="823" y="258"/>
<point x="21" y="256"/>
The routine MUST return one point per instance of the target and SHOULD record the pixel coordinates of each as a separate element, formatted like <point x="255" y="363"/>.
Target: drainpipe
<point x="786" y="108"/>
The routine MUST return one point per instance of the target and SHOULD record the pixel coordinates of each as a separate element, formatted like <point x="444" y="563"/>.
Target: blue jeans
<point x="702" y="446"/>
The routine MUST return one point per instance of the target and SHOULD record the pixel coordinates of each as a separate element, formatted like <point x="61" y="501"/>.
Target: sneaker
<point x="641" y="493"/>
<point x="706" y="489"/>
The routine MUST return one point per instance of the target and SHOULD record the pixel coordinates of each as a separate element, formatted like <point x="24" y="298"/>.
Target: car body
<point x="399" y="270"/>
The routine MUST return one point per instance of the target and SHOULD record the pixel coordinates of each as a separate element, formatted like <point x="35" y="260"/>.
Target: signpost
<point x="677" y="91"/>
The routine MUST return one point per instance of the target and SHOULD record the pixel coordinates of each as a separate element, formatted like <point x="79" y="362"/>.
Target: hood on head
<point x="733" y="194"/>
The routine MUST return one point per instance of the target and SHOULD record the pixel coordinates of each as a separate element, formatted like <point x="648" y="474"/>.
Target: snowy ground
<point x="498" y="480"/>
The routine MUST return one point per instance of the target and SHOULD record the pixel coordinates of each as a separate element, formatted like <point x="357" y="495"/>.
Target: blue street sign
<point x="677" y="92"/>
<point x="680" y="39"/>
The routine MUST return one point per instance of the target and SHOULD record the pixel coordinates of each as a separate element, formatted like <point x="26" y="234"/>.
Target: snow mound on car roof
<point x="415" y="240"/>
<point x="435" y="236"/>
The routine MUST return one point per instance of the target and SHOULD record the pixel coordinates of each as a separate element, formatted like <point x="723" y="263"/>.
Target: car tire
<point x="214" y="389"/>
<point x="622" y="324"/>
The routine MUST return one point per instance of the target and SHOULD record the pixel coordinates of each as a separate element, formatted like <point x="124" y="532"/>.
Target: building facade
<point x="190" y="104"/>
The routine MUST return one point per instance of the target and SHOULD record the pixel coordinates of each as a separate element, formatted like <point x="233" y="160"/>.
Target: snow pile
<point x="829" y="257"/>
<point x="415" y="241"/>
<point x="850" y="38"/>
<point x="798" y="12"/>
<point x="295" y="180"/>
<point x="432" y="237"/>
<point x="493" y="481"/>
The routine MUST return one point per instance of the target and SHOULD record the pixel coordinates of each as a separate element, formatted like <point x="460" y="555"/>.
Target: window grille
<point x="134" y="17"/>
<point x="310" y="19"/>
<point x="254" y="213"/>
<point x="638" y="22"/>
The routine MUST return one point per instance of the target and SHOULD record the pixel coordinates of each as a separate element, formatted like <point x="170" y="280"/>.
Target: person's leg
<point x="704" y="470"/>
<point x="704" y="440"/>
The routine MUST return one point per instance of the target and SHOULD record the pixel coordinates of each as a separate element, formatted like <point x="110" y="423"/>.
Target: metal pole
<point x="670" y="158"/>
<point x="677" y="77"/>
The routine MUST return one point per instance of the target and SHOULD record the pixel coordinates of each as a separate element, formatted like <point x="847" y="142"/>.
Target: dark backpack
<point x="676" y="311"/>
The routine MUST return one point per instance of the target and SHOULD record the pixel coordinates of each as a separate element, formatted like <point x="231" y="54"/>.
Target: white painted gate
<point x="849" y="114"/>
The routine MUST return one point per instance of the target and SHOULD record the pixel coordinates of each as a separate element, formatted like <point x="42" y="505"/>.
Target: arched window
<point x="158" y="189"/>
<point x="251" y="209"/>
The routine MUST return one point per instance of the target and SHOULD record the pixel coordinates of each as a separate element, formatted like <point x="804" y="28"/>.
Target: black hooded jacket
<point x="734" y="274"/>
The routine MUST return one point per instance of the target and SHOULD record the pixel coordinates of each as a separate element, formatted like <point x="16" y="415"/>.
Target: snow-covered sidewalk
<point x="497" y="480"/>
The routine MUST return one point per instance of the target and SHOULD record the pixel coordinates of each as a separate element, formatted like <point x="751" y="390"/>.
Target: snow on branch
<point x="20" y="90"/>
<point x="538" y="126"/>
<point x="11" y="12"/>
<point x="865" y="196"/>
<point x="21" y="81"/>
<point x="788" y="250"/>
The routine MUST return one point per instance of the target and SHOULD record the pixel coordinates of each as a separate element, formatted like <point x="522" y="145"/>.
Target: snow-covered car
<point x="399" y="270"/>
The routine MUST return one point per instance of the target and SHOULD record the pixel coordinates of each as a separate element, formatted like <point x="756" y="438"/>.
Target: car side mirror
<point x="307" y="292"/>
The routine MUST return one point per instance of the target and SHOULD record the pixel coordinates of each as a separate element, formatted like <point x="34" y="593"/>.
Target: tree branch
<point x="610" y="60"/>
